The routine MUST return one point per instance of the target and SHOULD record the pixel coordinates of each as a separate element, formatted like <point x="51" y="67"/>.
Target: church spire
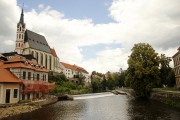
<point x="22" y="17"/>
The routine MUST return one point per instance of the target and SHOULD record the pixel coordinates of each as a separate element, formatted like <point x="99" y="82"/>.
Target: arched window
<point x="19" y="36"/>
<point x="20" y="29"/>
<point x="37" y="57"/>
<point x="41" y="59"/>
<point x="32" y="53"/>
<point x="46" y="62"/>
<point x="22" y="36"/>
<point x="50" y="62"/>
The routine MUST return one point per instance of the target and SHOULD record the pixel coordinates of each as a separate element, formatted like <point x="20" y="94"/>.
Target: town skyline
<point x="91" y="42"/>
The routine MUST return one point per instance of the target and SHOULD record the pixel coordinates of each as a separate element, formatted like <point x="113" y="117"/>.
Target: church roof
<point x="36" y="41"/>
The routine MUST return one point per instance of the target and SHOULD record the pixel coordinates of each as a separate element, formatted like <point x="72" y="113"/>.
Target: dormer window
<point x="26" y="63"/>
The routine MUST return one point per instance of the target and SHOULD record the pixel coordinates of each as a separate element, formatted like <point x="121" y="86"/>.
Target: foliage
<point x="143" y="71"/>
<point x="64" y="86"/>
<point x="171" y="78"/>
<point x="108" y="81"/>
<point x="164" y="69"/>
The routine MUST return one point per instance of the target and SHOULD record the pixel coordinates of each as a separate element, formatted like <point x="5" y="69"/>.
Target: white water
<point x="91" y="96"/>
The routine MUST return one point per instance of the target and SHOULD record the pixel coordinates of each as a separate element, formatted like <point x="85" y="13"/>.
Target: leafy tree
<point x="121" y="79"/>
<point x="171" y="81"/>
<point x="143" y="70"/>
<point x="96" y="85"/>
<point x="164" y="69"/>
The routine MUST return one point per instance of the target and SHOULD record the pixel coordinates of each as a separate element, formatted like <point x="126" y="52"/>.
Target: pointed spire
<point x="22" y="17"/>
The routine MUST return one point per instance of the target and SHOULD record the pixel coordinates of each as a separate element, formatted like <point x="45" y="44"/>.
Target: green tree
<point x="164" y="69"/>
<point x="143" y="70"/>
<point x="121" y="79"/>
<point x="171" y="81"/>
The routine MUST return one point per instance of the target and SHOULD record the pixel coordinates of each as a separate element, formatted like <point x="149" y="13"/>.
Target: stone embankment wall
<point x="168" y="97"/>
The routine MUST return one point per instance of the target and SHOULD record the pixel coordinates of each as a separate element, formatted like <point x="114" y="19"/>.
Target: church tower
<point x="20" y="34"/>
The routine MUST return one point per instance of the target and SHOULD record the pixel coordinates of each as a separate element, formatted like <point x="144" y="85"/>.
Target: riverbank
<point x="15" y="110"/>
<point x="167" y="96"/>
<point x="170" y="97"/>
<point x="19" y="108"/>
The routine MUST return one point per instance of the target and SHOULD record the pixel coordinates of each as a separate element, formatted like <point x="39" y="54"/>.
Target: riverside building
<point x="176" y="59"/>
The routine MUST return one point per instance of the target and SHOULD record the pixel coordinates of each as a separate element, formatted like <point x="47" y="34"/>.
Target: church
<point x="31" y="43"/>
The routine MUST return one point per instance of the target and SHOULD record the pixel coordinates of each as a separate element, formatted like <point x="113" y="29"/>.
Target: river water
<point x="103" y="106"/>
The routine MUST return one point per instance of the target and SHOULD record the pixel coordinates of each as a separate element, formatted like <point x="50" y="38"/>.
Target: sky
<point x="95" y="34"/>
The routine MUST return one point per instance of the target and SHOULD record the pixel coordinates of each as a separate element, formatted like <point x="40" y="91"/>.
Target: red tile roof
<point x="20" y="63"/>
<point x="73" y="67"/>
<point x="7" y="76"/>
<point x="53" y="52"/>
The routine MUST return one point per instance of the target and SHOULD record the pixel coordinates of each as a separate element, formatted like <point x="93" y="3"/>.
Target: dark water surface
<point x="103" y="107"/>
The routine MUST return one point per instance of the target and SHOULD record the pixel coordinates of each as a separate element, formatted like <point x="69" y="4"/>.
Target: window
<point x="15" y="93"/>
<point x="19" y="36"/>
<point x="44" y="77"/>
<point x="50" y="62"/>
<point x="33" y="76"/>
<point x="33" y="53"/>
<point x="29" y="75"/>
<point x="37" y="76"/>
<point x="28" y="96"/>
<point x="22" y="36"/>
<point x="46" y="61"/>
<point x="24" y="75"/>
<point x="20" y="29"/>
<point x="37" y="55"/>
<point x="41" y="59"/>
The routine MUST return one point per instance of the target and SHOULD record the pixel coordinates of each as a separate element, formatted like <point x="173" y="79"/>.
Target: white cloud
<point x="154" y="21"/>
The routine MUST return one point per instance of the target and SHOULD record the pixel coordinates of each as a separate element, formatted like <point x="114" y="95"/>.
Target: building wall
<point x="46" y="59"/>
<point x="11" y="86"/>
<point x="176" y="60"/>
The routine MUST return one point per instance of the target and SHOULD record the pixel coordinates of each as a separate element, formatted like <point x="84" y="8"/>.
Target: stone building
<point x="22" y="79"/>
<point x="29" y="42"/>
<point x="176" y="59"/>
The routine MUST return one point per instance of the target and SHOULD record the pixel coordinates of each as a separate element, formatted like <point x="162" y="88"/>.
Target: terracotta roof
<point x="73" y="67"/>
<point x="7" y="76"/>
<point x="53" y="52"/>
<point x="20" y="63"/>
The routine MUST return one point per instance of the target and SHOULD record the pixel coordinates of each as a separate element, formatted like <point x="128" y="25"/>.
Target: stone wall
<point x="170" y="98"/>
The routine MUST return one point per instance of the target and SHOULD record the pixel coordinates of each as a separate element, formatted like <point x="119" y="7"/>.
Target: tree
<point x="121" y="79"/>
<point x="164" y="69"/>
<point x="143" y="70"/>
<point x="171" y="81"/>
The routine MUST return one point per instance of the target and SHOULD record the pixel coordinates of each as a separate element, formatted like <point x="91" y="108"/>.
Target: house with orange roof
<point x="22" y="79"/>
<point x="73" y="72"/>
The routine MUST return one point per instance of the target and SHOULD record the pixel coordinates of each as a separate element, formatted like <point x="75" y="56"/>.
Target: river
<point x="103" y="106"/>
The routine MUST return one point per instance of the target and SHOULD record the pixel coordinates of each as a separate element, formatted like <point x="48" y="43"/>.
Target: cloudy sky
<point x="95" y="34"/>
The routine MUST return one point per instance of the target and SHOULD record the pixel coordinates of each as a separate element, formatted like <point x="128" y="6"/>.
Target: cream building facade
<point x="72" y="72"/>
<point x="176" y="60"/>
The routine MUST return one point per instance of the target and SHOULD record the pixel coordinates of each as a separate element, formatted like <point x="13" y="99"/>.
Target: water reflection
<point x="151" y="110"/>
<point x="103" y="108"/>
